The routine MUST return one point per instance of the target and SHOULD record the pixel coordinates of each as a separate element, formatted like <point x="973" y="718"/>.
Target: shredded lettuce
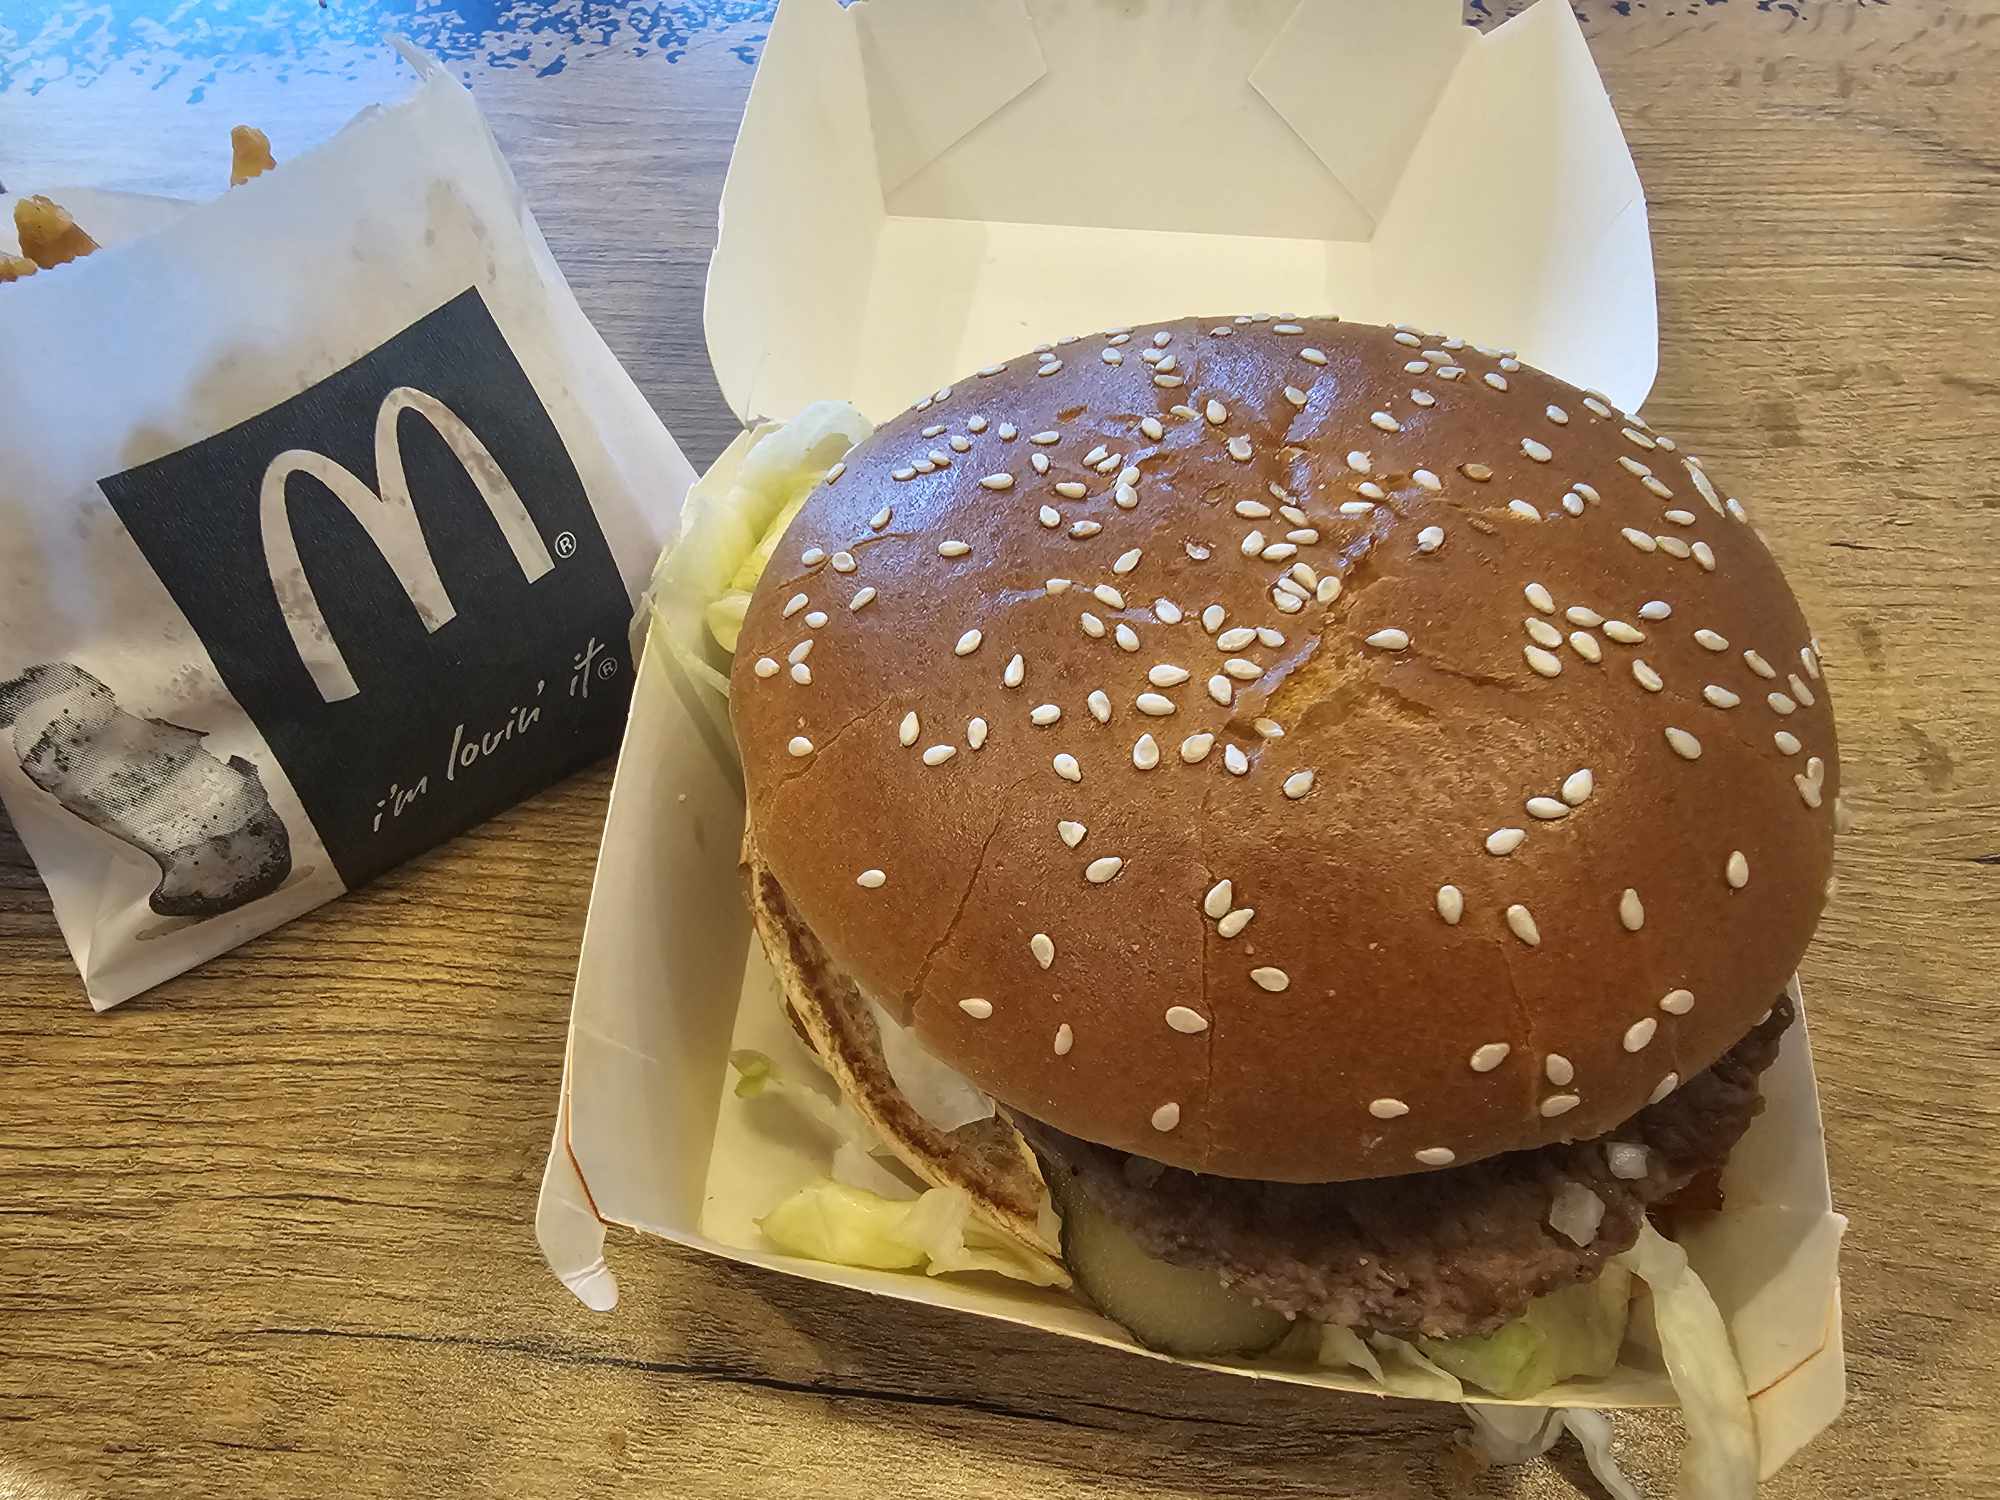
<point x="944" y="1097"/>
<point x="832" y="1221"/>
<point x="856" y="1155"/>
<point x="731" y="524"/>
<point x="1575" y="1331"/>
<point x="1515" y="1434"/>
<point x="1720" y="1460"/>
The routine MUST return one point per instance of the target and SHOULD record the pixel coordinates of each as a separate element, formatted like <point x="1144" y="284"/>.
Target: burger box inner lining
<point x="864" y="255"/>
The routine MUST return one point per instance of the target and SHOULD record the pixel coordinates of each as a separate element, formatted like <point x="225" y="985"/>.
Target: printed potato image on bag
<point x="330" y="556"/>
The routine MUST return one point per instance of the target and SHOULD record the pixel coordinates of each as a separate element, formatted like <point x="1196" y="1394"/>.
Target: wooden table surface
<point x="267" y="1231"/>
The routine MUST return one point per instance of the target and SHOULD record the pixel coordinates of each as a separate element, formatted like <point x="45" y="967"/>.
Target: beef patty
<point x="1446" y="1253"/>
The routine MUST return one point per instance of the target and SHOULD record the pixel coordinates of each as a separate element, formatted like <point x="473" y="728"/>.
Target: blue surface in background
<point x="185" y="45"/>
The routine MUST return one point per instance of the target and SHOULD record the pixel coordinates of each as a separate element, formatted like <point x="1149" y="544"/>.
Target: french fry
<point x="15" y="267"/>
<point x="249" y="154"/>
<point x="49" y="236"/>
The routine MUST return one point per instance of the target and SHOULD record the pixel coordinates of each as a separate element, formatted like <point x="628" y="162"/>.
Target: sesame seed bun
<point x="1462" y="808"/>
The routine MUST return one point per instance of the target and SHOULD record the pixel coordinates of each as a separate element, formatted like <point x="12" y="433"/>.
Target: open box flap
<point x="1093" y="194"/>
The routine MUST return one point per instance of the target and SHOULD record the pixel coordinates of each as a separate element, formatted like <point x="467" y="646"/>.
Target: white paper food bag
<point x="322" y="515"/>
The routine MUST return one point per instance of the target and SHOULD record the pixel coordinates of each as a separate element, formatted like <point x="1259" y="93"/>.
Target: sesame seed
<point x="1166" y="1117"/>
<point x="1597" y="406"/>
<point x="1577" y="787"/>
<point x="998" y="482"/>
<point x="1800" y="691"/>
<point x="1787" y="742"/>
<point x="1544" y="663"/>
<point x="1655" y="609"/>
<point x="1169" y="381"/>
<point x="938" y="460"/>
<point x="1673" y="546"/>
<point x="1216" y="413"/>
<point x="906" y="472"/>
<point x="1069" y="489"/>
<point x="1680" y="517"/>
<point x="1631" y="911"/>
<point x="1524" y="510"/>
<point x="1504" y="841"/>
<point x="815" y="618"/>
<point x="1092" y="626"/>
<point x="1043" y="947"/>
<point x="1663" y="1088"/>
<point x="1809" y="791"/>
<point x="863" y="597"/>
<point x="1100" y="705"/>
<point x="1050" y="366"/>
<point x="1126" y="637"/>
<point x="1106" y="595"/>
<point x="1071" y="832"/>
<point x="1384" y="421"/>
<point x="1387" y="1109"/>
<point x="1737" y="870"/>
<point x="1111" y="356"/>
<point x="1485" y="1059"/>
<point x="1624" y="634"/>
<point x="1521" y="923"/>
<point x="1239" y="448"/>
<point x="1758" y="665"/>
<point x="1548" y="809"/>
<point x="975" y="424"/>
<point x="1327" y="590"/>
<point x="812" y="557"/>
<point x="937" y="755"/>
<point x="1639" y="1033"/>
<point x="1390" y="639"/>
<point x="880" y="519"/>
<point x="1647" y="677"/>
<point x="1539" y="452"/>
<point x="1311" y="355"/>
<point x="1212" y="618"/>
<point x="1298" y="784"/>
<point x="799" y="745"/>
<point x="1449" y="372"/>
<point x="1656" y="487"/>
<point x="1559" y="1104"/>
<point x="1162" y="339"/>
<point x="1558" y="1070"/>
<point x="1044" y="714"/>
<point x="765" y="667"/>
<point x="1403" y="336"/>
<point x="953" y="549"/>
<point x="1416" y="367"/>
<point x="1286" y="328"/>
<point x="1195" y="748"/>
<point x="1685" y="745"/>
<point x="1359" y="462"/>
<point x="1274" y="980"/>
<point x="1782" y="703"/>
<point x="871" y="880"/>
<point x="1719" y="696"/>
<point x="1081" y="529"/>
<point x="1633" y="467"/>
<point x="1356" y="507"/>
<point x="1252" y="543"/>
<point x="1809" y="659"/>
<point x="967" y="643"/>
<point x="1498" y="382"/>
<point x="1155" y="704"/>
<point x="1067" y="768"/>
<point x="1065" y="1039"/>
<point x="1234" y="761"/>
<point x="1235" y="922"/>
<point x="1584" y="644"/>
<point x="1542" y="632"/>
<point x="1008" y="432"/>
<point x="976" y="1008"/>
<point x="1573" y="503"/>
<point x="1056" y="586"/>
<point x="1540" y="598"/>
<point x="1450" y="904"/>
<point x="1430" y="539"/>
<point x="975" y="732"/>
<point x="1556" y="415"/>
<point x="1294" y="395"/>
<point x="1638" y="538"/>
<point x="1677" y="1002"/>
<point x="1437" y="1156"/>
<point x="1220" y="897"/>
<point x="793" y="605"/>
<point x="802" y="674"/>
<point x="1370" y="490"/>
<point x="1423" y="398"/>
<point x="1146" y="752"/>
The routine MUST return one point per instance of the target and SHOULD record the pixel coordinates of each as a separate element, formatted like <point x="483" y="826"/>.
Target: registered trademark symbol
<point x="607" y="669"/>
<point x="566" y="544"/>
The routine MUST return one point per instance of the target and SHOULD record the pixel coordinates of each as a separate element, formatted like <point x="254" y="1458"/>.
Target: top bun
<point x="1291" y="750"/>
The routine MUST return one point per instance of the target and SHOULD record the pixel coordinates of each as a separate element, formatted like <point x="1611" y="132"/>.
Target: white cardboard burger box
<point x="917" y="190"/>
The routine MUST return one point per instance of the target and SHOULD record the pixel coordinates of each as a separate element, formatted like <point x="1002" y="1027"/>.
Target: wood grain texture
<point x="268" y="1230"/>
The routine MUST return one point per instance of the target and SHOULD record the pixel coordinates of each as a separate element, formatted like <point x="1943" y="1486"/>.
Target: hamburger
<point x="1348" y="804"/>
